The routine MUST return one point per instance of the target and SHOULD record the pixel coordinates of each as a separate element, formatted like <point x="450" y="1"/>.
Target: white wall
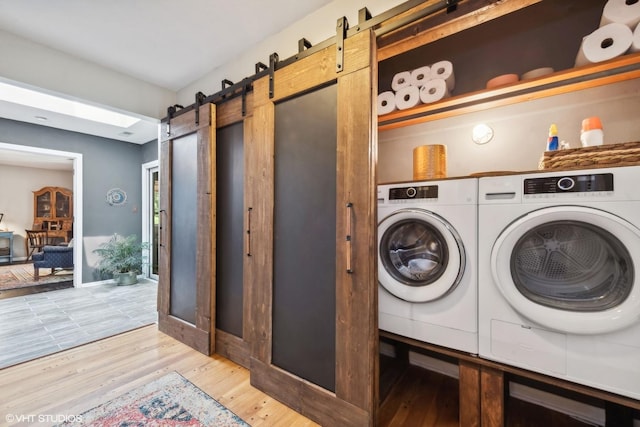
<point x="47" y="68"/>
<point x="520" y="132"/>
<point x="316" y="27"/>
<point x="17" y="185"/>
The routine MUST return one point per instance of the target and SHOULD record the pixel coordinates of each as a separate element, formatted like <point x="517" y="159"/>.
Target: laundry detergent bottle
<point x="591" y="133"/>
<point x="552" y="141"/>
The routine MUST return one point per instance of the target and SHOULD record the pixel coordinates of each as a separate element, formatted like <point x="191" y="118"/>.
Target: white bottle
<point x="591" y="134"/>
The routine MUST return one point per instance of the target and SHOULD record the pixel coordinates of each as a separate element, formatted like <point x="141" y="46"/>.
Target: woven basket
<point x="625" y="154"/>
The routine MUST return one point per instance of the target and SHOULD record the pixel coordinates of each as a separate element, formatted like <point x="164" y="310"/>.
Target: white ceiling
<point x="170" y="43"/>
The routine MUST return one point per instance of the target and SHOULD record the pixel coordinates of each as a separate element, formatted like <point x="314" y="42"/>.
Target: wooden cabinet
<point x="53" y="211"/>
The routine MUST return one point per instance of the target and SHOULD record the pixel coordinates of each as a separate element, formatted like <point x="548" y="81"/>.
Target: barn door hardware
<point x="363" y="15"/>
<point x="246" y="87"/>
<point x="449" y="5"/>
<point x="342" y="26"/>
<point x="200" y="97"/>
<point x="303" y="44"/>
<point x="171" y="111"/>
<point x="452" y="5"/>
<point x="260" y="67"/>
<point x="226" y="83"/>
<point x="273" y="62"/>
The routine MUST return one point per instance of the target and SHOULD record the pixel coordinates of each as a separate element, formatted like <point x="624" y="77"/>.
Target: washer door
<point x="570" y="269"/>
<point x="421" y="256"/>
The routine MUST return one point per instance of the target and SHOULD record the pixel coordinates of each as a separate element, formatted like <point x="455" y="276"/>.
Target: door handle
<point x="349" y="237"/>
<point x="249" y="231"/>
<point x="161" y="212"/>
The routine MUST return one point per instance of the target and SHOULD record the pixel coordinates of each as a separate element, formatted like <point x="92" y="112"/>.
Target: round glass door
<point x="421" y="257"/>
<point x="570" y="269"/>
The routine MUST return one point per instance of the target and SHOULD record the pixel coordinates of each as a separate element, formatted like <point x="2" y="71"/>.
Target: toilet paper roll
<point x="420" y="76"/>
<point x="444" y="70"/>
<point x="433" y="91"/>
<point x="407" y="97"/>
<point x="401" y="80"/>
<point x="621" y="11"/>
<point x="605" y="43"/>
<point x="386" y="102"/>
<point x="635" y="41"/>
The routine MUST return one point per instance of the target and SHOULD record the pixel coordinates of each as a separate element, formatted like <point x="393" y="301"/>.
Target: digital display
<point x="409" y="193"/>
<point x="569" y="184"/>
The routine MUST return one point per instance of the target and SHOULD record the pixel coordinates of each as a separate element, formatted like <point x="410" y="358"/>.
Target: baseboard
<point x="104" y="282"/>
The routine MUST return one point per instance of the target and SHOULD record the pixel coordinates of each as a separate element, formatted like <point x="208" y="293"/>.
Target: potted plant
<point x="123" y="257"/>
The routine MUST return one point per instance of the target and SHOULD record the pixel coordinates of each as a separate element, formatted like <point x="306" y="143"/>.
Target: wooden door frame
<point x="200" y="335"/>
<point x="355" y="401"/>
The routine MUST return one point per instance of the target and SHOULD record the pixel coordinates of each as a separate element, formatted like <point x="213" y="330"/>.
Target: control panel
<point x="569" y="184"/>
<point x="408" y="193"/>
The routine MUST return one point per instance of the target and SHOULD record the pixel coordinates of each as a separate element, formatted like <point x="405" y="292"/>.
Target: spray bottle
<point x="552" y="141"/>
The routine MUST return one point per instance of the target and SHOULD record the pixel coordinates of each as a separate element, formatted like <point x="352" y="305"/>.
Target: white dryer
<point x="427" y="238"/>
<point x="559" y="275"/>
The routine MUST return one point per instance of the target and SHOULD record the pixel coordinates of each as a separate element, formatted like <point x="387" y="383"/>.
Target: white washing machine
<point x="427" y="236"/>
<point x="559" y="275"/>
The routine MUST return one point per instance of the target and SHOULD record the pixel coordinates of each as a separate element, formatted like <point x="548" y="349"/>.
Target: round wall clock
<point x="116" y="197"/>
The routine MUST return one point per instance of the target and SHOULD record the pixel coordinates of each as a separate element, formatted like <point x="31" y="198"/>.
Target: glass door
<point x="151" y="215"/>
<point x="154" y="220"/>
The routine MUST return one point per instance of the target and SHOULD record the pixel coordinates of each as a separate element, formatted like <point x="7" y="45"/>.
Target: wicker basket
<point x="625" y="154"/>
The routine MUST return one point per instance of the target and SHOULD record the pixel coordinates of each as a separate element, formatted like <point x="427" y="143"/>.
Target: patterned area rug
<point x="168" y="401"/>
<point x="21" y="275"/>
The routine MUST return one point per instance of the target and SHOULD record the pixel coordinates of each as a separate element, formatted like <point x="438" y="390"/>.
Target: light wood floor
<point x="73" y="381"/>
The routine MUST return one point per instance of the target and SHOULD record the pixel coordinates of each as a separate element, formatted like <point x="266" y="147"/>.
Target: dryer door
<point x="421" y="256"/>
<point x="570" y="269"/>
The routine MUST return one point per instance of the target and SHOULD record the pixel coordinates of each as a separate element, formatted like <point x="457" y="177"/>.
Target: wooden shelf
<point x="616" y="70"/>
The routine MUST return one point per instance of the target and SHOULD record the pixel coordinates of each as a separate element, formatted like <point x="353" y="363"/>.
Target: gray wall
<point x="107" y="164"/>
<point x="150" y="151"/>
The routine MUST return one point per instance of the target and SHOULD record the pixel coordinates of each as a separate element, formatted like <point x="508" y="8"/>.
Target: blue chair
<point x="52" y="257"/>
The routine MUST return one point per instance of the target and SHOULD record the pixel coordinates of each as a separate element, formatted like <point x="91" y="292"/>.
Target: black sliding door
<point x="230" y="228"/>
<point x="304" y="271"/>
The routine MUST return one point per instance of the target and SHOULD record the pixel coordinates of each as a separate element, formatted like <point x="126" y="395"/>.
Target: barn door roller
<point x="342" y="26"/>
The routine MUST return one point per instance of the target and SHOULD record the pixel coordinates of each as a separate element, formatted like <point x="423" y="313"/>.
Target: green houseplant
<point x="123" y="257"/>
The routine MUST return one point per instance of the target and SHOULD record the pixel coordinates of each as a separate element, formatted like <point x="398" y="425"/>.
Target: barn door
<point x="186" y="289"/>
<point x="312" y="264"/>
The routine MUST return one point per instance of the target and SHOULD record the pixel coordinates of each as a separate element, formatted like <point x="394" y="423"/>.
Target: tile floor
<point x="35" y="325"/>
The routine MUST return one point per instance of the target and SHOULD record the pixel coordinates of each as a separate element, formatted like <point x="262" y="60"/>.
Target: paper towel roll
<point x="433" y="91"/>
<point x="605" y="43"/>
<point x="635" y="41"/>
<point x="401" y="80"/>
<point x="420" y="76"/>
<point x="407" y="97"/>
<point x="386" y="102"/>
<point x="444" y="70"/>
<point x="621" y="11"/>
